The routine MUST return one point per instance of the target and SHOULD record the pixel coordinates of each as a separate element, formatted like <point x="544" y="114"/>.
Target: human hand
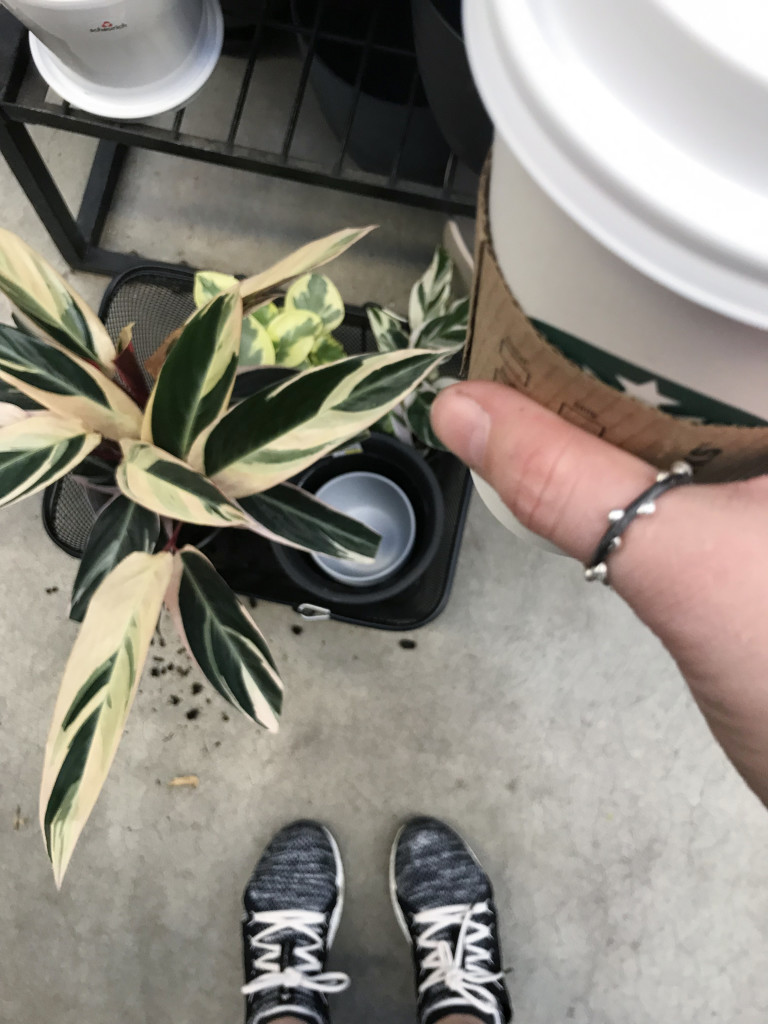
<point x="696" y="572"/>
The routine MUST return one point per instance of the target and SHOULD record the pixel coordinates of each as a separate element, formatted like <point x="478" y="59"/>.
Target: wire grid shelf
<point x="259" y="111"/>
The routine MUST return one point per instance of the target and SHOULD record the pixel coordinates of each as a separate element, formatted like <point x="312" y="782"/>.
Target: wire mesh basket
<point x="157" y="300"/>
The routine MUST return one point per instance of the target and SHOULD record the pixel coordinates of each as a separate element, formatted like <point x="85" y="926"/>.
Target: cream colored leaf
<point x="166" y="485"/>
<point x="302" y="261"/>
<point x="46" y="299"/>
<point x="36" y="451"/>
<point x="96" y="695"/>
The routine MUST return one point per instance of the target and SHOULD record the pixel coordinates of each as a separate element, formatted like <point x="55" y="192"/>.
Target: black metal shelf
<point x="25" y="100"/>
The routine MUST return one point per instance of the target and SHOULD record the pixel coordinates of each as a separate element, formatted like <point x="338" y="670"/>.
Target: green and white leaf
<point x="256" y="345"/>
<point x="276" y="433"/>
<point x="298" y="519"/>
<point x="432" y="292"/>
<point x="447" y="330"/>
<point x="39" y="449"/>
<point x="319" y="295"/>
<point x="265" y="314"/>
<point x="66" y="384"/>
<point x="166" y="485"/>
<point x="302" y="261"/>
<point x="45" y="299"/>
<point x="223" y="639"/>
<point x="195" y="383"/>
<point x="419" y="413"/>
<point x="121" y="527"/>
<point x="326" y="350"/>
<point x="390" y="332"/>
<point x="12" y="396"/>
<point x="100" y="682"/>
<point x="210" y="283"/>
<point x="295" y="333"/>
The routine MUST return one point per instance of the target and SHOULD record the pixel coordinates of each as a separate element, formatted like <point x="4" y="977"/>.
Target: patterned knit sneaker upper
<point x="444" y="902"/>
<point x="292" y="908"/>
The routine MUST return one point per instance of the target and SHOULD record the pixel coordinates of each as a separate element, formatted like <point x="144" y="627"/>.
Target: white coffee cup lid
<point x="646" y="120"/>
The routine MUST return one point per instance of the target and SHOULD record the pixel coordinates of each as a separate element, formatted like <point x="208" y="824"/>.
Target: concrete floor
<point x="536" y="714"/>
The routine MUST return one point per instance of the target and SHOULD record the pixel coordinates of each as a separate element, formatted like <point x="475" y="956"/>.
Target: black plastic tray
<point x="157" y="299"/>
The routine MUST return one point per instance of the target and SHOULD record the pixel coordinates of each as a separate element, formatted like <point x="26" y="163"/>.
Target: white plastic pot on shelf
<point x="123" y="59"/>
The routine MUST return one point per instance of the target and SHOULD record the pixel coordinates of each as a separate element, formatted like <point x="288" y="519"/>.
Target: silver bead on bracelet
<point x="596" y="569"/>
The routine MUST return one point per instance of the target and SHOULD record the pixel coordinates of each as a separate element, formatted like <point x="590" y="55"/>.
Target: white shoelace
<point x="462" y="970"/>
<point x="308" y="972"/>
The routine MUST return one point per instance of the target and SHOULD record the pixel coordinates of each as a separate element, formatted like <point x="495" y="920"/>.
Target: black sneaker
<point x="292" y="909"/>
<point x="444" y="902"/>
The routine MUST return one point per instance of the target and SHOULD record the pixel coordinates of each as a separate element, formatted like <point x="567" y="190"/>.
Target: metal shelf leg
<point x="24" y="159"/>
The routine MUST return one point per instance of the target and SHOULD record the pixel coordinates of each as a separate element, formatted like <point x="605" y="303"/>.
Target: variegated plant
<point x="71" y="400"/>
<point x="435" y="321"/>
<point x="297" y="334"/>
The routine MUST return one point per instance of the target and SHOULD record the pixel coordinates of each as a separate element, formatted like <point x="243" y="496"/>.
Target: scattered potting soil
<point x="51" y="590"/>
<point x="197" y="688"/>
<point x="193" y="713"/>
<point x="408" y="645"/>
<point x="173" y="699"/>
<point x="297" y="630"/>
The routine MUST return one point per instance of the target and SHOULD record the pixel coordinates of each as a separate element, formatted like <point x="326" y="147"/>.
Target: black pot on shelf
<point x="405" y="467"/>
<point x="241" y="18"/>
<point x="448" y="81"/>
<point x="381" y="127"/>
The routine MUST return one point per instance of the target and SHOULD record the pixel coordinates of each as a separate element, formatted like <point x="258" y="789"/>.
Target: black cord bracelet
<point x="644" y="505"/>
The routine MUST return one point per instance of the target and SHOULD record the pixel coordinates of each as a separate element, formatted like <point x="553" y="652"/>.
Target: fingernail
<point x="463" y="426"/>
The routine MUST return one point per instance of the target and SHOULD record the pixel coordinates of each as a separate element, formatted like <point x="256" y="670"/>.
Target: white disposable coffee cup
<point x="123" y="58"/>
<point x="629" y="187"/>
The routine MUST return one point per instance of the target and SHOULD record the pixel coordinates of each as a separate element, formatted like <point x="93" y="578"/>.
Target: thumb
<point x="557" y="479"/>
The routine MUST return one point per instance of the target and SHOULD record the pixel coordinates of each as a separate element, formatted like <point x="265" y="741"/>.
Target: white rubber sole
<point x="333" y="924"/>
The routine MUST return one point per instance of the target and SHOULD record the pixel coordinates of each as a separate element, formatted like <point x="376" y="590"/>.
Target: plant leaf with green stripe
<point x="223" y="639"/>
<point x="12" y="396"/>
<point x="44" y="297"/>
<point x="195" y="383"/>
<point x="66" y="385"/>
<point x="121" y="527"/>
<point x="419" y="414"/>
<point x="390" y="332"/>
<point x="39" y="449"/>
<point x="256" y="345"/>
<point x="281" y="430"/>
<point x="166" y="485"/>
<point x="210" y="283"/>
<point x="318" y="294"/>
<point x="295" y="333"/>
<point x="99" y="684"/>
<point x="326" y="350"/>
<point x="432" y="292"/>
<point x="298" y="519"/>
<point x="450" y="329"/>
<point x="302" y="261"/>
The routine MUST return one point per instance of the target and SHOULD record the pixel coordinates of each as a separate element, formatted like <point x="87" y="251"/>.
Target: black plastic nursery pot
<point x="157" y="299"/>
<point x="448" y="81"/>
<point x="240" y="19"/>
<point x="403" y="466"/>
<point x="381" y="111"/>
